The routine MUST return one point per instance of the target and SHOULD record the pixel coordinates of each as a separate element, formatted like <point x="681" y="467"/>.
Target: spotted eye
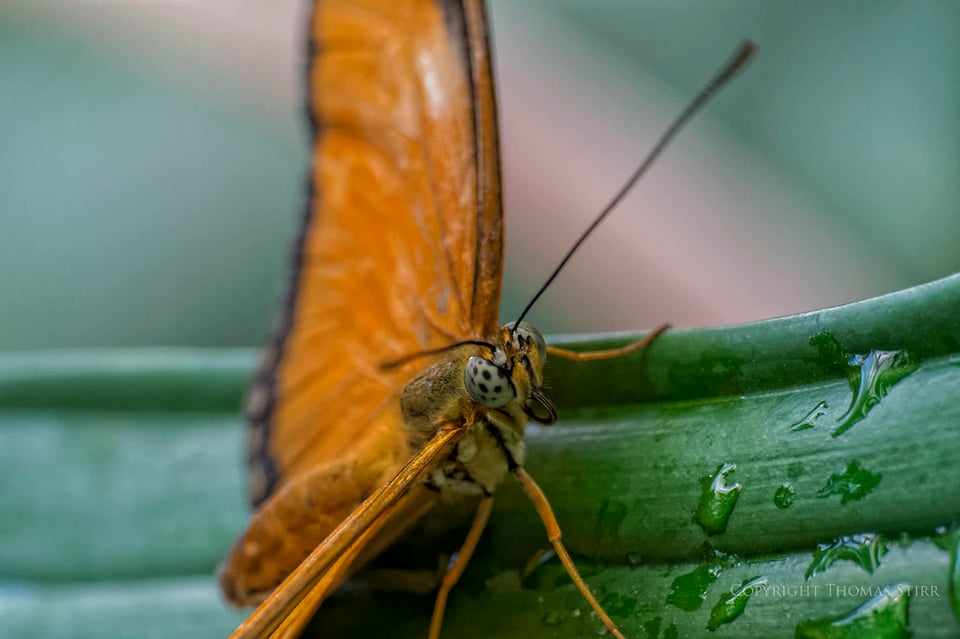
<point x="527" y="334"/>
<point x="487" y="383"/>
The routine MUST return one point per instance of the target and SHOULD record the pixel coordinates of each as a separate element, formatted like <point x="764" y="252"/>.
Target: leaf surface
<point x="121" y="487"/>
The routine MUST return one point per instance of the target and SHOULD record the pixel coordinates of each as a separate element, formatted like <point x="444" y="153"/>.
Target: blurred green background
<point x="152" y="169"/>
<point x="152" y="162"/>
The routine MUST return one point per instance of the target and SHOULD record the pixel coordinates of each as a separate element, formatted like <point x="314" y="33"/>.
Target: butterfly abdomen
<point x="479" y="462"/>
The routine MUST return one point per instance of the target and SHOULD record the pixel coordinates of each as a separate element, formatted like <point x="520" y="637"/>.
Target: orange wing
<point x="400" y="251"/>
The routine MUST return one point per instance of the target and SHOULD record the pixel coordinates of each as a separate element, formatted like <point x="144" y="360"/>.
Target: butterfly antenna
<point x="434" y="351"/>
<point x="743" y="54"/>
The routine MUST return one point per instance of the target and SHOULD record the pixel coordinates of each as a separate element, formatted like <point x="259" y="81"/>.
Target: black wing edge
<point x="262" y="392"/>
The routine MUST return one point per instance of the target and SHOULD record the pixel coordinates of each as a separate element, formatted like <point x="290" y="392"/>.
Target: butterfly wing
<point x="401" y="248"/>
<point x="400" y="251"/>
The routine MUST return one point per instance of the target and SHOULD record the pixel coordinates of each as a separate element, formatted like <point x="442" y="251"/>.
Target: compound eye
<point x="487" y="383"/>
<point x="527" y="334"/>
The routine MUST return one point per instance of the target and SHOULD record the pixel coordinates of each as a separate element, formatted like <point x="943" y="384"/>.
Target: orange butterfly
<point x="400" y="255"/>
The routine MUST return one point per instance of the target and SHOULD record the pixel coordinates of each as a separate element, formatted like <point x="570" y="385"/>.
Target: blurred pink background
<point x="826" y="173"/>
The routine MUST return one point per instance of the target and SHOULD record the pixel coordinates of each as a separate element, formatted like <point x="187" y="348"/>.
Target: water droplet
<point x="784" y="496"/>
<point x="717" y="500"/>
<point x="709" y="554"/>
<point x="830" y="356"/>
<point x="876" y="373"/>
<point x="634" y="558"/>
<point x="652" y="627"/>
<point x="852" y="484"/>
<point x="864" y="549"/>
<point x="808" y="421"/>
<point x="733" y="603"/>
<point x="883" y="616"/>
<point x="689" y="591"/>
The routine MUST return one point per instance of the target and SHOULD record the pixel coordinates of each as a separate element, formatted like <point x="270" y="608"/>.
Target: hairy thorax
<point x="492" y="446"/>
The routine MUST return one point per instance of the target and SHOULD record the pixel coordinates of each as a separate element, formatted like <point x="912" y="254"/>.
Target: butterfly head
<point x="512" y="371"/>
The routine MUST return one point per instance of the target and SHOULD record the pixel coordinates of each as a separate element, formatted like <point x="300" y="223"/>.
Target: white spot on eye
<point x="487" y="384"/>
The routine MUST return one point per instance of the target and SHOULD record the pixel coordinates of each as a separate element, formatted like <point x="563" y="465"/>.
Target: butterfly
<point x="389" y="385"/>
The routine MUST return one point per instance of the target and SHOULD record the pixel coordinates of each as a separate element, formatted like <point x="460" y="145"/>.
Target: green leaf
<point x="121" y="488"/>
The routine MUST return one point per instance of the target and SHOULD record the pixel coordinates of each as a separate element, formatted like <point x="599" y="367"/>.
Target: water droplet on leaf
<point x="853" y="484"/>
<point x="717" y="500"/>
<point x="864" y="549"/>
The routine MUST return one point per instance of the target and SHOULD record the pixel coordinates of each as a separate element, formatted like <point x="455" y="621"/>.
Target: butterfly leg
<point x="460" y="563"/>
<point x="540" y="502"/>
<point x="610" y="353"/>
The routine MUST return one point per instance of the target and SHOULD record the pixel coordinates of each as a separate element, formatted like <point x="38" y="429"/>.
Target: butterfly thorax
<point x="493" y="391"/>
